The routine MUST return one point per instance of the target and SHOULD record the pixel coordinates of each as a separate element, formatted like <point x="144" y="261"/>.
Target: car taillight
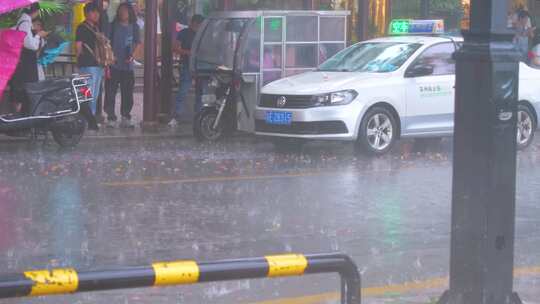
<point x="86" y="92"/>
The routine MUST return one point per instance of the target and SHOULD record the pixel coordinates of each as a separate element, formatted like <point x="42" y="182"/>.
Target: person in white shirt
<point x="38" y="27"/>
<point x="27" y="70"/>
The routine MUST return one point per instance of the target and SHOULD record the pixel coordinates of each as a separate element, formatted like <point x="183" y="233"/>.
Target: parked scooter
<point x="216" y="118"/>
<point x="55" y="106"/>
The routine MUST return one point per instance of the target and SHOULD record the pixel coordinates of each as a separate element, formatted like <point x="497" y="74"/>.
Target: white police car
<point x="378" y="91"/>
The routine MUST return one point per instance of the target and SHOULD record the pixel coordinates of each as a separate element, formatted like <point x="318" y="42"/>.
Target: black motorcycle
<point x="216" y="118"/>
<point x="55" y="106"/>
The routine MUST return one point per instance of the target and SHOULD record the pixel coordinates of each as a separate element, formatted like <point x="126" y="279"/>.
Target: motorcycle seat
<point x="46" y="86"/>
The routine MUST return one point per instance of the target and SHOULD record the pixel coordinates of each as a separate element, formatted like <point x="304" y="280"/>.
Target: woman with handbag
<point x="27" y="70"/>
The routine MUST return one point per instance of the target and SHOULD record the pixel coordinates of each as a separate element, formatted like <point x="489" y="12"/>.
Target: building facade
<point x="369" y="18"/>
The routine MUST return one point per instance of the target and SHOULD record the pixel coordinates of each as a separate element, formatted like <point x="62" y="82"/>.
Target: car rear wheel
<point x="526" y="125"/>
<point x="378" y="131"/>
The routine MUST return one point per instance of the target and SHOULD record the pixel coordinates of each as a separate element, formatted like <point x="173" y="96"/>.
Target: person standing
<point x="37" y="26"/>
<point x="183" y="48"/>
<point x="86" y="40"/>
<point x="125" y="39"/>
<point x="524" y="31"/>
<point x="512" y="18"/>
<point x="27" y="69"/>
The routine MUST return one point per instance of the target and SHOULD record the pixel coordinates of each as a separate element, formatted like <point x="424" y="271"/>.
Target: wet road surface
<point x="127" y="202"/>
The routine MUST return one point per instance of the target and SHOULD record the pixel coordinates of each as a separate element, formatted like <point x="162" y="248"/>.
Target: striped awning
<point x="7" y="6"/>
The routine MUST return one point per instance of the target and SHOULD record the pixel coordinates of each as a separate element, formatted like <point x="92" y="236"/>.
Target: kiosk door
<point x="248" y="85"/>
<point x="247" y="100"/>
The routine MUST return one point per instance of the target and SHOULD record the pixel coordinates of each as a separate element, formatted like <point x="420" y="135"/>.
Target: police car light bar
<point x="416" y="27"/>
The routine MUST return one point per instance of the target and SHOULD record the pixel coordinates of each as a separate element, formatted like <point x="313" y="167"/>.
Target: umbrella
<point x="11" y="43"/>
<point x="11" y="5"/>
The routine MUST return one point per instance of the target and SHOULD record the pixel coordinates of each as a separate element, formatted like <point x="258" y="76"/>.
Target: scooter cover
<point x="7" y="6"/>
<point x="11" y="44"/>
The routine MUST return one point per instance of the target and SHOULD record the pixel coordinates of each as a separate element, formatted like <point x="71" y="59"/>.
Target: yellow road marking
<point x="405" y="287"/>
<point x="286" y="265"/>
<point x="435" y="283"/>
<point x="176" y="273"/>
<point x="154" y="182"/>
<point x="526" y="271"/>
<point x="57" y="281"/>
<point x="315" y="299"/>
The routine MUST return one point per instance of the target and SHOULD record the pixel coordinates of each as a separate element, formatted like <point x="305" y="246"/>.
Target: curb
<point x="138" y="136"/>
<point x="86" y="138"/>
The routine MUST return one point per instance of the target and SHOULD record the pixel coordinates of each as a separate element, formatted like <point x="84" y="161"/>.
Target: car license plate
<point x="278" y="118"/>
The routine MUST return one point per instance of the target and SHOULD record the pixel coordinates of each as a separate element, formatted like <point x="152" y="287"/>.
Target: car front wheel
<point x="378" y="131"/>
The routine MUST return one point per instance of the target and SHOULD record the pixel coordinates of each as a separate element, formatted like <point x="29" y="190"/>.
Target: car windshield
<point x="375" y="57"/>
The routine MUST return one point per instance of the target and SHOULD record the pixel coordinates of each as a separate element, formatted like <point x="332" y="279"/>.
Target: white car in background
<point x="378" y="91"/>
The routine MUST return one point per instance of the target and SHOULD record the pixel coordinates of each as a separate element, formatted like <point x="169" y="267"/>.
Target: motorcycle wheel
<point x="68" y="132"/>
<point x="203" y="126"/>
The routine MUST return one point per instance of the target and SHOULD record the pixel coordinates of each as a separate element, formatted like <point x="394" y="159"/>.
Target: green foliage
<point x="412" y="8"/>
<point x="48" y="9"/>
<point x="53" y="7"/>
<point x="449" y="6"/>
<point x="8" y="20"/>
<point x="406" y="9"/>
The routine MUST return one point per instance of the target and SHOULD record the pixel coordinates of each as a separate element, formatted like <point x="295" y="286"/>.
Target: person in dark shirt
<point x="125" y="39"/>
<point x="85" y="44"/>
<point x="183" y="48"/>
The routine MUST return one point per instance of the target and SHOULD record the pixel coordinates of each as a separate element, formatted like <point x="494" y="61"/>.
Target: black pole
<point x="101" y="98"/>
<point x="150" y="52"/>
<point x="484" y="180"/>
<point x="168" y="9"/>
<point x="424" y="9"/>
<point x="362" y="30"/>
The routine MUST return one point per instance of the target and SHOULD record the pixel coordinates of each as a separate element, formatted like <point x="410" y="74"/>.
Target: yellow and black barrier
<point x="68" y="280"/>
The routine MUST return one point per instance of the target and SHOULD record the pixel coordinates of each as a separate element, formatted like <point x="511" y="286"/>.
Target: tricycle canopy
<point x="272" y="44"/>
<point x="258" y="47"/>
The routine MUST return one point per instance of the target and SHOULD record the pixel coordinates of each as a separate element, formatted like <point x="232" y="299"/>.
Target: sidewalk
<point x="525" y="284"/>
<point x="184" y="128"/>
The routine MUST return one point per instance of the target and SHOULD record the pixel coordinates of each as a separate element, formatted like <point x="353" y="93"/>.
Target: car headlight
<point x="335" y="98"/>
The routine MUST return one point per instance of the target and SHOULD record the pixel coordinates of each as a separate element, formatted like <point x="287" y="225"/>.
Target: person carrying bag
<point x="27" y="70"/>
<point x="94" y="51"/>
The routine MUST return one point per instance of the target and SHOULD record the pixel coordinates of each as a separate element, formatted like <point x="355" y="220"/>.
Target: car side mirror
<point x="419" y="71"/>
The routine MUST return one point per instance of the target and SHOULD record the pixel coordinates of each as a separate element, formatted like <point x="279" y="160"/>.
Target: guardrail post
<point x="350" y="283"/>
